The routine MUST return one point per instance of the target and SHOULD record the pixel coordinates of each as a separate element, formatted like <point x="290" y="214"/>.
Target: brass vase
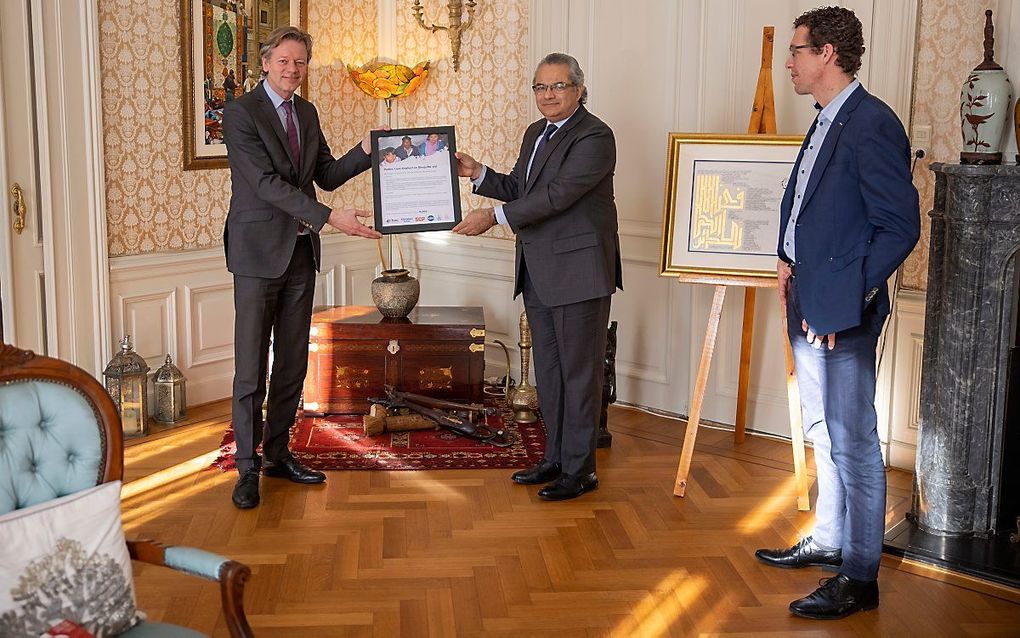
<point x="395" y="293"/>
<point x="524" y="398"/>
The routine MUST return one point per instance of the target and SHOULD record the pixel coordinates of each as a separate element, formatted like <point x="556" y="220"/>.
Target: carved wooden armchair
<point x="60" y="434"/>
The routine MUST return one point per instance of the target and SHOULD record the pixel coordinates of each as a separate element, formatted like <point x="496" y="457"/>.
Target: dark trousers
<point x="837" y="396"/>
<point x="569" y="348"/>
<point x="281" y="307"/>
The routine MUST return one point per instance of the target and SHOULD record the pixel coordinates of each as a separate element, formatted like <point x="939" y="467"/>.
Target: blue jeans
<point x="837" y="397"/>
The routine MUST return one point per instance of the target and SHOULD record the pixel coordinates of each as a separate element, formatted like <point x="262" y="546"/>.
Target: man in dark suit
<point x="406" y="148"/>
<point x="849" y="218"/>
<point x="276" y="152"/>
<point x="559" y="202"/>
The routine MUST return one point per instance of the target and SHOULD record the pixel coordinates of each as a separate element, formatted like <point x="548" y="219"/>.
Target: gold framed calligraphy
<point x="722" y="200"/>
<point x="220" y="42"/>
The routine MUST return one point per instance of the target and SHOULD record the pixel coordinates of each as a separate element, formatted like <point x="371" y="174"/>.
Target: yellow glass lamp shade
<point x="387" y="80"/>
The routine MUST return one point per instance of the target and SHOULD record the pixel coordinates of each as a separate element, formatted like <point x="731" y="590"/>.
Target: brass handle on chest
<point x="18" y="207"/>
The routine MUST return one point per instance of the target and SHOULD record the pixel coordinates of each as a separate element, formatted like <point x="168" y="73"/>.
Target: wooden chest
<point x="354" y="351"/>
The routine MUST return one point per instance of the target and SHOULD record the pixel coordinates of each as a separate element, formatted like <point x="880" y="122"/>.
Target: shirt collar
<point x="274" y="97"/>
<point x="831" y="109"/>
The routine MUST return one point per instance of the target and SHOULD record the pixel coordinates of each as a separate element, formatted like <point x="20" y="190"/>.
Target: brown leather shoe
<point x="544" y="472"/>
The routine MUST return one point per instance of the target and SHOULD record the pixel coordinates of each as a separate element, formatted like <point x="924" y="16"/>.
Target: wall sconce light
<point x="455" y="28"/>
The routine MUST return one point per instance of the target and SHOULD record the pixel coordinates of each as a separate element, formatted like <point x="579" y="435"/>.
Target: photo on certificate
<point x="414" y="180"/>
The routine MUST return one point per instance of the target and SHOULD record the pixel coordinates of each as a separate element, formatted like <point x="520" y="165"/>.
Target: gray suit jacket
<point x="270" y="200"/>
<point x="564" y="215"/>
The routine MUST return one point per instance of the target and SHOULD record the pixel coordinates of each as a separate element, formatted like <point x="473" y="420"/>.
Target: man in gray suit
<point x="276" y="152"/>
<point x="559" y="202"/>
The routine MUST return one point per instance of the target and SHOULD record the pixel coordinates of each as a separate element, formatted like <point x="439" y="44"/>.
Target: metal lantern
<point x="170" y="393"/>
<point x="127" y="381"/>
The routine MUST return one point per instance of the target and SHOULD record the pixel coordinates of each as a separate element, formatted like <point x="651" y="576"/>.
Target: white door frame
<point x="72" y="192"/>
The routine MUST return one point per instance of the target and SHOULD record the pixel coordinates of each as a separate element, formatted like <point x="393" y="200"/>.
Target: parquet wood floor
<point x="466" y="552"/>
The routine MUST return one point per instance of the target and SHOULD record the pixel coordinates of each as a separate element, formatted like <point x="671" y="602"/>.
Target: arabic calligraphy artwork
<point x="722" y="203"/>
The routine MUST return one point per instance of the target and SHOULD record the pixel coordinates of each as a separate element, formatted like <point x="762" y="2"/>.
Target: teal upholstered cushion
<point x="50" y="443"/>
<point x="194" y="561"/>
<point x="160" y="630"/>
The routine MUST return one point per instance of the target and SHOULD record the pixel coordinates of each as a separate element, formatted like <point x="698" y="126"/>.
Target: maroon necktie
<point x="292" y="136"/>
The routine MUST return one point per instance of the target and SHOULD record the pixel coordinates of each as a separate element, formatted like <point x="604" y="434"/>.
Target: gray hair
<point x="574" y="72"/>
<point x="288" y="32"/>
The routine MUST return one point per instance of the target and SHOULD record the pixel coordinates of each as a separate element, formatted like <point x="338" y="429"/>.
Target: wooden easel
<point x="763" y="120"/>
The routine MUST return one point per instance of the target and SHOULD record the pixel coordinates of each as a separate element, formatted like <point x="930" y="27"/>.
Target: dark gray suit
<point x="568" y="267"/>
<point x="272" y="198"/>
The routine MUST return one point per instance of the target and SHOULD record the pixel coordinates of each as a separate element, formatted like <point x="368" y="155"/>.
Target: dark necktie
<point x="292" y="135"/>
<point x="549" y="130"/>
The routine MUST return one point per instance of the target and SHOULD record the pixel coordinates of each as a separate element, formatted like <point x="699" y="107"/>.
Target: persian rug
<point x="338" y="442"/>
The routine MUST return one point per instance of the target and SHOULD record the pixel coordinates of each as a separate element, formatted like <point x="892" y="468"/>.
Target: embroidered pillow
<point x="66" y="559"/>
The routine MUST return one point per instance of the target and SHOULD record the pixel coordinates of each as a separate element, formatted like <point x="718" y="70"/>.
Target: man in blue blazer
<point x="848" y="220"/>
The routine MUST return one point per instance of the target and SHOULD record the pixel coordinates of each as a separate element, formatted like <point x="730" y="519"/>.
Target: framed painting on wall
<point x="220" y="41"/>
<point x="722" y="200"/>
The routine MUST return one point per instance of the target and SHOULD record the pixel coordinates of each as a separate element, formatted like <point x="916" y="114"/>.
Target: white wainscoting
<point x="899" y="383"/>
<point x="182" y="304"/>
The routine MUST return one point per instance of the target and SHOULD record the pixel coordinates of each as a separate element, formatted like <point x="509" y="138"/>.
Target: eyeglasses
<point x="794" y="47"/>
<point x="558" y="87"/>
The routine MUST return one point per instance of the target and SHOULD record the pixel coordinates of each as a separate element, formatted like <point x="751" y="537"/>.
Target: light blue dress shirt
<point x="500" y="215"/>
<point x="807" y="163"/>
<point x="278" y="101"/>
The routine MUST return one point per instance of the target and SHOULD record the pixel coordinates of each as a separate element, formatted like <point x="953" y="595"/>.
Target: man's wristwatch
<point x="871" y="295"/>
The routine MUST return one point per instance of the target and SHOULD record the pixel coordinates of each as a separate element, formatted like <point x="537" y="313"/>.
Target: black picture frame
<point x="380" y="141"/>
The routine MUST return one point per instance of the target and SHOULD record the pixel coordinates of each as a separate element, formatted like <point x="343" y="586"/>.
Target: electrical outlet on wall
<point x="920" y="139"/>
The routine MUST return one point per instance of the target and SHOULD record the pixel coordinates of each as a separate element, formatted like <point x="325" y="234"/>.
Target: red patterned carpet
<point x="338" y="442"/>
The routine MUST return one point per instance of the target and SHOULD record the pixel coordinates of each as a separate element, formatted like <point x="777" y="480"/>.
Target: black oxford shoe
<point x="838" y="597"/>
<point x="291" y="470"/>
<point x="544" y="472"/>
<point x="568" y="486"/>
<point x="804" y="554"/>
<point x="246" y="491"/>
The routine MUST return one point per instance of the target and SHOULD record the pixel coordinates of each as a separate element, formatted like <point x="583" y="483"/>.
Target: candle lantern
<point x="127" y="381"/>
<point x="169" y="384"/>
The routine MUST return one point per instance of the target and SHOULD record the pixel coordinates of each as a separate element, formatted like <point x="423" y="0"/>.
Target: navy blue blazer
<point x="860" y="217"/>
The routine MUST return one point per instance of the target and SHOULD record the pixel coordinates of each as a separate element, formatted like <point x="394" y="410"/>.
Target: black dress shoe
<point x="246" y="491"/>
<point x="838" y="597"/>
<point x="544" y="472"/>
<point x="291" y="470"/>
<point x="569" y="486"/>
<point x="804" y="554"/>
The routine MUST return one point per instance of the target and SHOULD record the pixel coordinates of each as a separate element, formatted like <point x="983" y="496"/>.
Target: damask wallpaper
<point x="155" y="206"/>
<point x="949" y="46"/>
<point x="488" y="99"/>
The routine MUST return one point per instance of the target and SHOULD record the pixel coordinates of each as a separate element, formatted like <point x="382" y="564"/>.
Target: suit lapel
<point x="530" y="137"/>
<point x="272" y="118"/>
<point x="309" y="145"/>
<point x="550" y="146"/>
<point x="829" y="145"/>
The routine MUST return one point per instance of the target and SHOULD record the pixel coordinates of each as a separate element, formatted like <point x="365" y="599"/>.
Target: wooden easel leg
<point x="747" y="331"/>
<point x="694" y="419"/>
<point x="796" y="423"/>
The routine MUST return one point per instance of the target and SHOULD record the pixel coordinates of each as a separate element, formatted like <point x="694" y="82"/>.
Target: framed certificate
<point x="723" y="194"/>
<point x="414" y="179"/>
